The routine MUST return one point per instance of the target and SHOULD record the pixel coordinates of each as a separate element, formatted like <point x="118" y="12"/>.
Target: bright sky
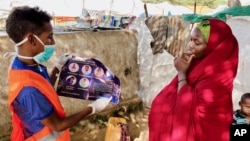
<point x="245" y="2"/>
<point x="58" y="7"/>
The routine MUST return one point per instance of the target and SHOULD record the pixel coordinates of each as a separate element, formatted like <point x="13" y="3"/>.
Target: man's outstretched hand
<point x="99" y="104"/>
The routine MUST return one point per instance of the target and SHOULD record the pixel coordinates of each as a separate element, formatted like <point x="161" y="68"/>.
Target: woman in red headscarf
<point x="197" y="104"/>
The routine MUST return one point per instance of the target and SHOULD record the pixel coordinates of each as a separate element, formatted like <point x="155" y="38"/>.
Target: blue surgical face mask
<point x="41" y="57"/>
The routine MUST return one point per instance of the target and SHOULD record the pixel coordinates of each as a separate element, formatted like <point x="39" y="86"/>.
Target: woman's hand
<point x="183" y="62"/>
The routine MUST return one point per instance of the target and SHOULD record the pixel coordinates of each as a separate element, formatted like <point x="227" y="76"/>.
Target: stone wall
<point x="116" y="49"/>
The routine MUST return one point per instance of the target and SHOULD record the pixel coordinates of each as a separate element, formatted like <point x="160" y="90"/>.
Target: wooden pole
<point x="146" y="10"/>
<point x="192" y="24"/>
<point x="195" y="7"/>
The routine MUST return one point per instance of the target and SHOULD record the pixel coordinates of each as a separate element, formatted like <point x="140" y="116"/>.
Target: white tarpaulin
<point x="113" y="7"/>
<point x="174" y="9"/>
<point x="116" y="7"/>
<point x="241" y="27"/>
<point x="98" y="5"/>
<point x="134" y="7"/>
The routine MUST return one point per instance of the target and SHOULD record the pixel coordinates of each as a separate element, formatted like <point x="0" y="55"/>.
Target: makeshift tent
<point x="174" y="9"/>
<point x="134" y="7"/>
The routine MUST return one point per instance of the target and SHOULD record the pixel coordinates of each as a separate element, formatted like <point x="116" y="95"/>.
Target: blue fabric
<point x="239" y="118"/>
<point x="18" y="65"/>
<point x="31" y="105"/>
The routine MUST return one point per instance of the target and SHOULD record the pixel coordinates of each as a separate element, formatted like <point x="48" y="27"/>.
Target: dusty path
<point x="137" y="122"/>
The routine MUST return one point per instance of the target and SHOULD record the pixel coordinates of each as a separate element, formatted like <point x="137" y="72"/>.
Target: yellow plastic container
<point x="114" y="129"/>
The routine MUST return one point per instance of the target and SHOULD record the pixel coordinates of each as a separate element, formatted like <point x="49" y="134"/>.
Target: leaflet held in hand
<point x="88" y="79"/>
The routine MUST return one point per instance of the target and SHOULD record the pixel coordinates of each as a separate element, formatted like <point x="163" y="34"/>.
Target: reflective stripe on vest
<point x="46" y="134"/>
<point x="51" y="137"/>
<point x="21" y="78"/>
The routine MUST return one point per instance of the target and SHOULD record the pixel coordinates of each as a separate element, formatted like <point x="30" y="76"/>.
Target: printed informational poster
<point x="88" y="79"/>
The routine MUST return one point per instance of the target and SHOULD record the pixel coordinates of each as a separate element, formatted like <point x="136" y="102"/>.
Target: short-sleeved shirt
<point x="31" y="105"/>
<point x="239" y="118"/>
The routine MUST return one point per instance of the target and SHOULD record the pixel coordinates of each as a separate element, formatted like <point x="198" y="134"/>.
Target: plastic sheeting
<point x="157" y="70"/>
<point x="241" y="28"/>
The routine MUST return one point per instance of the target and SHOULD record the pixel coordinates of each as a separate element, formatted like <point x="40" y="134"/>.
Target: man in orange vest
<point x="37" y="113"/>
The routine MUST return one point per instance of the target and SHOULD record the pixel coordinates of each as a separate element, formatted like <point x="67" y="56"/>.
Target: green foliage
<point x="209" y="3"/>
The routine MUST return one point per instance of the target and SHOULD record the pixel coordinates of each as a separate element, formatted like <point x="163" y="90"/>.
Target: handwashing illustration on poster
<point x="88" y="79"/>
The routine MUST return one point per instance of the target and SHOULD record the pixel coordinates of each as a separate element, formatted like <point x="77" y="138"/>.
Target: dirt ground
<point x="94" y="127"/>
<point x="137" y="124"/>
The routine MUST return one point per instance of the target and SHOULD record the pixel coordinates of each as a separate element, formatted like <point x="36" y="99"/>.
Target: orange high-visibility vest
<point x="21" y="78"/>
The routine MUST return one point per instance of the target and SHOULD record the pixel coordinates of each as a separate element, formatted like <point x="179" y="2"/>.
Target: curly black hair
<point x="244" y="96"/>
<point x="25" y="19"/>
